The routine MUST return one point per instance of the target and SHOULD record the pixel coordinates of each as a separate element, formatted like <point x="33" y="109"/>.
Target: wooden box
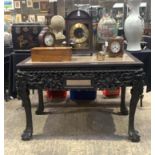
<point x="46" y="54"/>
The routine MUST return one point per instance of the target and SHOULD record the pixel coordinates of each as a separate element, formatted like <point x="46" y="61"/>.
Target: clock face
<point x="79" y="34"/>
<point x="49" y="40"/>
<point x="115" y="47"/>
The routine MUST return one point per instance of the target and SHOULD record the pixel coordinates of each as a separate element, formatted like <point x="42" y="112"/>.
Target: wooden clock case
<point x="42" y="35"/>
<point x="80" y="17"/>
<point x="120" y="40"/>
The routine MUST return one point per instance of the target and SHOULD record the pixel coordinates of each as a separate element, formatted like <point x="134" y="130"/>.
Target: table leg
<point x="141" y="100"/>
<point x="27" y="134"/>
<point x="123" y="108"/>
<point x="136" y="91"/>
<point x="40" y="108"/>
<point x="6" y="98"/>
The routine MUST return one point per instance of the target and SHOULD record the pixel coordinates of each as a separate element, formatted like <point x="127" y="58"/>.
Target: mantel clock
<point x="79" y="32"/>
<point x="46" y="38"/>
<point x="116" y="47"/>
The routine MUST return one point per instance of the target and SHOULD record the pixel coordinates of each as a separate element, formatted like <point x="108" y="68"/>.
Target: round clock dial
<point x="79" y="33"/>
<point x="49" y="39"/>
<point x="115" y="47"/>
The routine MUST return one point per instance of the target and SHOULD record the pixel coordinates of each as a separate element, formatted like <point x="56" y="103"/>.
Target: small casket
<point x="46" y="54"/>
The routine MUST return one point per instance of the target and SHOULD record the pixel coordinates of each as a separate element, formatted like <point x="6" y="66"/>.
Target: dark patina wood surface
<point x="110" y="73"/>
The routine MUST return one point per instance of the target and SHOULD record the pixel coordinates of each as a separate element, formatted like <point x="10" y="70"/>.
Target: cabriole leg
<point x="136" y="91"/>
<point x="27" y="133"/>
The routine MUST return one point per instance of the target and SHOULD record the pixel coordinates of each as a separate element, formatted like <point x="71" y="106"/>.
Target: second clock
<point x="46" y="38"/>
<point x="116" y="47"/>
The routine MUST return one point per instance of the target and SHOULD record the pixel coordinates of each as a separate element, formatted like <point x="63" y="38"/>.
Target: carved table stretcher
<point x="82" y="72"/>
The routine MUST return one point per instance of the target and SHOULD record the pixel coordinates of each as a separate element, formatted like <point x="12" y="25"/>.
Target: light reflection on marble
<point x="92" y="59"/>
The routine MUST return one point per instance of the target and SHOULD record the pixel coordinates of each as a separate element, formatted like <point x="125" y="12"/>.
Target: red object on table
<point x="113" y="92"/>
<point x="56" y="94"/>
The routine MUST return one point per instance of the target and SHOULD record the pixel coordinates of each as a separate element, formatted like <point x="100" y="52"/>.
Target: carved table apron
<point x="81" y="73"/>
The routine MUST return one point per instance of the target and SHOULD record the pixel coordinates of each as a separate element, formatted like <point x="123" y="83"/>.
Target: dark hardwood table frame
<point x="99" y="75"/>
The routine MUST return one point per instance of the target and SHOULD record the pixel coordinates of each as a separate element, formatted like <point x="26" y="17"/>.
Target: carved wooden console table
<point x="81" y="73"/>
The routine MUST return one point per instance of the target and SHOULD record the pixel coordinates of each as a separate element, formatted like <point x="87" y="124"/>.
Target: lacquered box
<point x="25" y="35"/>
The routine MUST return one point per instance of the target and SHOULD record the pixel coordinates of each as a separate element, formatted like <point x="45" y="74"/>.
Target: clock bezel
<point x="77" y="26"/>
<point x="120" y="40"/>
<point x="53" y="36"/>
<point x="45" y="31"/>
<point x="112" y="44"/>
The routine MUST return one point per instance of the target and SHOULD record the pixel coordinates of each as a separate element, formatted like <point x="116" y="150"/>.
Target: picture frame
<point x="41" y="18"/>
<point x="23" y="2"/>
<point x="36" y="5"/>
<point x="18" y="18"/>
<point x="17" y="5"/>
<point x="29" y="3"/>
<point x="8" y="5"/>
<point x="44" y="6"/>
<point x="8" y="18"/>
<point x="31" y="18"/>
<point x="24" y="17"/>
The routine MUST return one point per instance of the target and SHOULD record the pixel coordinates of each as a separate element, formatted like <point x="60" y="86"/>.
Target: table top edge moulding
<point x="84" y="61"/>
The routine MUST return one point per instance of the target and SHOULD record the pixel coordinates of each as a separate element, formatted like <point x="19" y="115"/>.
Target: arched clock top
<point x="79" y="32"/>
<point x="78" y="13"/>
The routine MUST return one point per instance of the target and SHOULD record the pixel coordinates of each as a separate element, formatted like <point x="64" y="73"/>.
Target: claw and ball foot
<point x="134" y="136"/>
<point x="27" y="135"/>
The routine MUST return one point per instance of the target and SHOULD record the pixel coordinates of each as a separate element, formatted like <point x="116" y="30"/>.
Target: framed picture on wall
<point x="41" y="18"/>
<point x="24" y="17"/>
<point x="18" y="18"/>
<point x="36" y="5"/>
<point x="23" y="2"/>
<point x="8" y="5"/>
<point x="44" y="6"/>
<point x="31" y="18"/>
<point x="8" y="18"/>
<point x="17" y="5"/>
<point x="29" y="3"/>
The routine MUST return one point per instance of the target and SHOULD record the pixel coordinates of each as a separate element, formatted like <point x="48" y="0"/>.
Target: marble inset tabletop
<point x="91" y="59"/>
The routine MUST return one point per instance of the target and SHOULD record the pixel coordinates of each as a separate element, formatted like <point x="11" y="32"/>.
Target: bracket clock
<point x="79" y="32"/>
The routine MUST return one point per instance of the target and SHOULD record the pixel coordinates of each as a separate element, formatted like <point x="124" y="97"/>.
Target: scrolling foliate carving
<point x="111" y="79"/>
<point x="55" y="79"/>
